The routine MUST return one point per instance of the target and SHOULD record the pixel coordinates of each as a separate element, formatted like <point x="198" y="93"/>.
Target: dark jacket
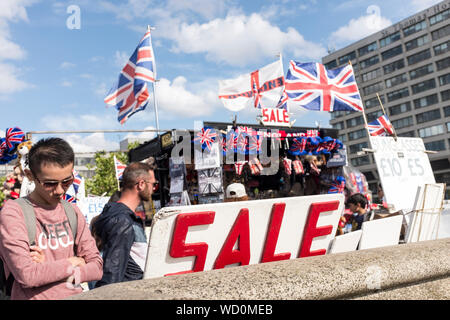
<point x="124" y="244"/>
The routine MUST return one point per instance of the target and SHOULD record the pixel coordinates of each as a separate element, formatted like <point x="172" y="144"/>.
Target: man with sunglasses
<point x="58" y="263"/>
<point x="121" y="231"/>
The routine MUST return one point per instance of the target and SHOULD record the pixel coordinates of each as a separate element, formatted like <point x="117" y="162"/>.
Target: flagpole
<point x="384" y="112"/>
<point x="154" y="88"/>
<point x="364" y="114"/>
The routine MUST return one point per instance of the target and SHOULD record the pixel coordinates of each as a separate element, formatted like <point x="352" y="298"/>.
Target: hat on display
<point x="235" y="190"/>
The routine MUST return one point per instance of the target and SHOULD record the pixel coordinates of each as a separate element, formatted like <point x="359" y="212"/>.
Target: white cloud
<point x="240" y="39"/>
<point x="143" y="135"/>
<point x="175" y="100"/>
<point x="11" y="11"/>
<point x="91" y="143"/>
<point x="419" y="5"/>
<point x="66" y="83"/>
<point x="121" y="58"/>
<point x="67" y="65"/>
<point x="359" y="28"/>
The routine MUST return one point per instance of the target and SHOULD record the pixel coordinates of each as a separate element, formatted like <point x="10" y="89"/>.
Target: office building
<point x="408" y="65"/>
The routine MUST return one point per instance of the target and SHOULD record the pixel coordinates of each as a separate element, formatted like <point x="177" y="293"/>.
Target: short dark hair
<point x="50" y="150"/>
<point x="133" y="172"/>
<point x="357" y="198"/>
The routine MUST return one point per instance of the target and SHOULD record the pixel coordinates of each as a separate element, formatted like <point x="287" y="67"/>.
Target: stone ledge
<point x="372" y="272"/>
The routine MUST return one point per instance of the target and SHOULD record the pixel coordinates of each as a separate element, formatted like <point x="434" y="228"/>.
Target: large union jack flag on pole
<point x="130" y="94"/>
<point x="119" y="168"/>
<point x="312" y="86"/>
<point x="380" y="127"/>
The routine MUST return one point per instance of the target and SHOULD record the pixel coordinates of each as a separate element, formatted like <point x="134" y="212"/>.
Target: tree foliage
<point x="104" y="181"/>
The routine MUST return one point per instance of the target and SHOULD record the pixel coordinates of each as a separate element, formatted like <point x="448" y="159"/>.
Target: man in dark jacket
<point x="121" y="232"/>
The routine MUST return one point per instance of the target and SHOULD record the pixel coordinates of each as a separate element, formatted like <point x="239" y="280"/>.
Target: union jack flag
<point x="282" y="104"/>
<point x="298" y="146"/>
<point x="254" y="145"/>
<point x="338" y="185"/>
<point x="243" y="143"/>
<point x="119" y="167"/>
<point x="13" y="137"/>
<point x="206" y="137"/>
<point x="311" y="86"/>
<point x="70" y="198"/>
<point x="76" y="181"/>
<point x="380" y="127"/>
<point x="130" y="94"/>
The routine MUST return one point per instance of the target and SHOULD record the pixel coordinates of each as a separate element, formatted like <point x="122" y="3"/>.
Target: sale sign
<point x="215" y="236"/>
<point x="403" y="166"/>
<point x="275" y="117"/>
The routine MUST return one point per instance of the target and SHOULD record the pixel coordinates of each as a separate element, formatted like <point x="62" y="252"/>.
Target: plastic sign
<point x="403" y="166"/>
<point x="92" y="206"/>
<point x="215" y="236"/>
<point x="275" y="117"/>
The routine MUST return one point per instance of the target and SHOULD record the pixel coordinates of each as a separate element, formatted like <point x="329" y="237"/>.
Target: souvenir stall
<point x="309" y="161"/>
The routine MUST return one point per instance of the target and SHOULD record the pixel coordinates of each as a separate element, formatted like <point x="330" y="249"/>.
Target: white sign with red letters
<point x="275" y="117"/>
<point x="214" y="236"/>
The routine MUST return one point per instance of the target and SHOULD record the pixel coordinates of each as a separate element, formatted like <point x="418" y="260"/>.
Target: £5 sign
<point x="214" y="236"/>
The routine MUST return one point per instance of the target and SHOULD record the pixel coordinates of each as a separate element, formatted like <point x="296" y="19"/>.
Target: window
<point x="426" y="101"/>
<point x="373" y="102"/>
<point x="418" y="42"/>
<point x="338" y="125"/>
<point x="441" y="16"/>
<point x="330" y="65"/>
<point x="369" y="62"/>
<point x="358" y="134"/>
<point x="445" y="79"/>
<point x="441" y="48"/>
<point x="392" y="52"/>
<point x="373" y="88"/>
<point x="348" y="57"/>
<point x="445" y="95"/>
<point x="391" y="67"/>
<point x="448" y="126"/>
<point x="337" y="114"/>
<point x="355" y="121"/>
<point x="371" y="75"/>
<point x="398" y="94"/>
<point x="442" y="64"/>
<point x="354" y="148"/>
<point x="431" y="131"/>
<point x="400" y="108"/>
<point x="447" y="111"/>
<point x="414" y="28"/>
<point x="360" y="161"/>
<point x="391" y="82"/>
<point x="428" y="116"/>
<point x="440" y="33"/>
<point x="420" y="56"/>
<point x="422" y="71"/>
<point x="407" y="134"/>
<point x="423" y="86"/>
<point x="403" y="122"/>
<point x="435" y="145"/>
<point x="374" y="115"/>
<point x="369" y="48"/>
<point x="389" y="39"/>
<point x="342" y="137"/>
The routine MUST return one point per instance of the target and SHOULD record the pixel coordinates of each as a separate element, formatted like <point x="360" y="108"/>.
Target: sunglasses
<point x="53" y="184"/>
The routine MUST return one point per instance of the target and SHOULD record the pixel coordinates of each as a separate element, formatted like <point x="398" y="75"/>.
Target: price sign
<point x="403" y="166"/>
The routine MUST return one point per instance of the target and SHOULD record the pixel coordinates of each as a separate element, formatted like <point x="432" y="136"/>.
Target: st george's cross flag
<point x="119" y="168"/>
<point x="259" y="89"/>
<point x="380" y="127"/>
<point x="313" y="87"/>
<point x="130" y="94"/>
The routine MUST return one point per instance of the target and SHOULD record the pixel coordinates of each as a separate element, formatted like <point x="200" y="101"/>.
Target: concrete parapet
<point x="393" y="272"/>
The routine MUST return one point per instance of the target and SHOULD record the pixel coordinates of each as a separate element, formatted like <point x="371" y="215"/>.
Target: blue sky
<point x="55" y="78"/>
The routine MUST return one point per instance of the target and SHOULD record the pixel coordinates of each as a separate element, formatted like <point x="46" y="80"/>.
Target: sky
<point x="59" y="59"/>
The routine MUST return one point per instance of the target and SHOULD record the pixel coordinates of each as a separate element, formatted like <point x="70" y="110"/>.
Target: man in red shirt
<point x="48" y="271"/>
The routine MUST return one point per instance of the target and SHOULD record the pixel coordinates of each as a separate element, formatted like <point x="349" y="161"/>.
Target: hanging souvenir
<point x="239" y="166"/>
<point x="255" y="166"/>
<point x="298" y="167"/>
<point x="338" y="185"/>
<point x="287" y="163"/>
<point x="206" y="137"/>
<point x="210" y="181"/>
<point x="298" y="146"/>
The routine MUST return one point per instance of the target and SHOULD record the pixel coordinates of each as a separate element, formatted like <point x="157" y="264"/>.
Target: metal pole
<point x="154" y="85"/>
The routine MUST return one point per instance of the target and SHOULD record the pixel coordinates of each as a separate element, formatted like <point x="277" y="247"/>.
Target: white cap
<point x="235" y="190"/>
